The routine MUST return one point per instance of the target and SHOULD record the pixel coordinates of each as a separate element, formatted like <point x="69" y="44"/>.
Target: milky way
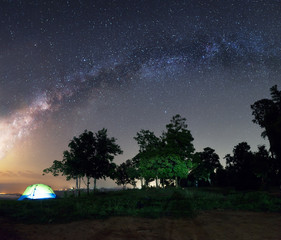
<point x="132" y="64"/>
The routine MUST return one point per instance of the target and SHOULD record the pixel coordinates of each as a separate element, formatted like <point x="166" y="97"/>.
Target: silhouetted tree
<point x="121" y="176"/>
<point x="81" y="148"/>
<point x="264" y="166"/>
<point x="90" y="155"/>
<point x="102" y="156"/>
<point x="147" y="141"/>
<point x="126" y="173"/>
<point x="240" y="167"/>
<point x="68" y="167"/>
<point x="206" y="166"/>
<point x="267" y="114"/>
<point x="132" y="172"/>
<point x="222" y="179"/>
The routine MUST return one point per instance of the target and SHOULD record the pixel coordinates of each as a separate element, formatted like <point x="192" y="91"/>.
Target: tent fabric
<point x="38" y="191"/>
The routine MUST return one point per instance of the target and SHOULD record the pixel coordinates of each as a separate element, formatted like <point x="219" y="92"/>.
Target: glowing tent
<point x="38" y="191"/>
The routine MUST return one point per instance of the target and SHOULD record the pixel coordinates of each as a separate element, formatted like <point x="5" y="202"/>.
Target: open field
<point x="146" y="214"/>
<point x="149" y="203"/>
<point x="208" y="225"/>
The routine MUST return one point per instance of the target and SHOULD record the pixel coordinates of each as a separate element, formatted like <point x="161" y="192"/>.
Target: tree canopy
<point x="90" y="155"/>
<point x="168" y="156"/>
<point x="267" y="114"/>
<point x="206" y="165"/>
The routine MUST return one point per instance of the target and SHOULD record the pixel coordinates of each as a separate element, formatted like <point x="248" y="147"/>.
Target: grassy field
<point x="152" y="203"/>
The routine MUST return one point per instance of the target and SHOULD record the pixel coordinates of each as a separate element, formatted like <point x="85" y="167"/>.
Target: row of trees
<point x="165" y="158"/>
<point x="247" y="169"/>
<point x="171" y="156"/>
<point x="170" y="159"/>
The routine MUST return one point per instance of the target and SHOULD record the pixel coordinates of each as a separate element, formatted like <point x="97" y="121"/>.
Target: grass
<point x="152" y="203"/>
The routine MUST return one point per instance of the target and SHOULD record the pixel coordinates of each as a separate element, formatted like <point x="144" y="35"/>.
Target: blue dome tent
<point x="38" y="191"/>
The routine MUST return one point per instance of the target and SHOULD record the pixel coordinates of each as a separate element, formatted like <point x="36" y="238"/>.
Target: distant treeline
<point x="171" y="160"/>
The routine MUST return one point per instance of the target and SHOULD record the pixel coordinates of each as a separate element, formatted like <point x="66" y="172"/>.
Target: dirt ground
<point x="210" y="225"/>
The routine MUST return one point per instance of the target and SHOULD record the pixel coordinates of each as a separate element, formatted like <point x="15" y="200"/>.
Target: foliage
<point x="125" y="174"/>
<point x="165" y="167"/>
<point x="132" y="172"/>
<point x="249" y="170"/>
<point x="120" y="175"/>
<point x="178" y="139"/>
<point x="168" y="156"/>
<point x="89" y="155"/>
<point x="240" y="167"/>
<point x="147" y="141"/>
<point x="206" y="165"/>
<point x="264" y="167"/>
<point x="267" y="114"/>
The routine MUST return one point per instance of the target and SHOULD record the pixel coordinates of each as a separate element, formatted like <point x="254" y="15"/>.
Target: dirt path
<point x="211" y="225"/>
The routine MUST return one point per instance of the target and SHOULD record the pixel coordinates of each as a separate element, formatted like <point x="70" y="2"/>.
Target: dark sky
<point x="67" y="66"/>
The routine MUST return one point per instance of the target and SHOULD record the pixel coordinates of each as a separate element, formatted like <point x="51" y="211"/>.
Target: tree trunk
<point x="79" y="185"/>
<point x="162" y="182"/>
<point x="88" y="186"/>
<point x="76" y="191"/>
<point x="177" y="182"/>
<point x="95" y="184"/>
<point x="156" y="181"/>
<point x="146" y="182"/>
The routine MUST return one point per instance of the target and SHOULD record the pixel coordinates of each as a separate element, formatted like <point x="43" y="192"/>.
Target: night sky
<point x="67" y="66"/>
